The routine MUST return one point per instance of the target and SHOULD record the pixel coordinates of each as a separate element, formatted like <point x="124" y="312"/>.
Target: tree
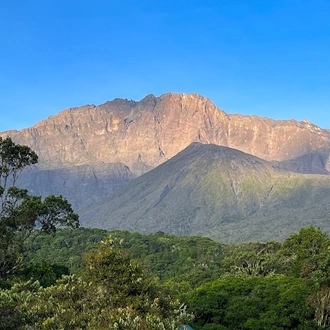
<point x="22" y="215"/>
<point x="308" y="255"/>
<point x="305" y="252"/>
<point x="114" y="292"/>
<point x="251" y="303"/>
<point x="253" y="259"/>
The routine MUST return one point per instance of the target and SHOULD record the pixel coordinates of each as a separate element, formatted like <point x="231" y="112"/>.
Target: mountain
<point x="144" y="134"/>
<point x="219" y="192"/>
<point x="81" y="185"/>
<point x="88" y="153"/>
<point x="314" y="162"/>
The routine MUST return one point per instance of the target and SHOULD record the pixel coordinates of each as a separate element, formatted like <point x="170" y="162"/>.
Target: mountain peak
<point x="218" y="192"/>
<point x="146" y="133"/>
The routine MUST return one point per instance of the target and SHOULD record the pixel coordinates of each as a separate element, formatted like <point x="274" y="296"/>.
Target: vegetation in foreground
<point x="158" y="281"/>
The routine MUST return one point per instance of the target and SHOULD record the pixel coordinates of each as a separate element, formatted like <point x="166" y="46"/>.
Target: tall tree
<point x="305" y="252"/>
<point x="23" y="215"/>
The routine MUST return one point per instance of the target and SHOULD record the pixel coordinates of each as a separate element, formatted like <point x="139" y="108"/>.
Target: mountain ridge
<point x="144" y="134"/>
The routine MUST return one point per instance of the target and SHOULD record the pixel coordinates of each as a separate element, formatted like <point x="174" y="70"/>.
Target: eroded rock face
<point x="144" y="134"/>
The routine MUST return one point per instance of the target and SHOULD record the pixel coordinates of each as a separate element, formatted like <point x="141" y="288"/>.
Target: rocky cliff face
<point x="144" y="134"/>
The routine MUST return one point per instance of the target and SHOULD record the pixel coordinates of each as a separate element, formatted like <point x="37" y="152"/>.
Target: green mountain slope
<point x="218" y="192"/>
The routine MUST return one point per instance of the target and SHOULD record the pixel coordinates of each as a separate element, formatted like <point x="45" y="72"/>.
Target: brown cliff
<point x="144" y="134"/>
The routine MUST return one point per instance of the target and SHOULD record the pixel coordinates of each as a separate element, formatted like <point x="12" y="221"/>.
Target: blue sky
<point x="269" y="58"/>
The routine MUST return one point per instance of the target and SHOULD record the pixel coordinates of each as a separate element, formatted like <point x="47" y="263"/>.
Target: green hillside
<point x="217" y="192"/>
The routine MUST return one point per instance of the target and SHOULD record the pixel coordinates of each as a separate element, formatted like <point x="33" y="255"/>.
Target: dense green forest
<point x="196" y="280"/>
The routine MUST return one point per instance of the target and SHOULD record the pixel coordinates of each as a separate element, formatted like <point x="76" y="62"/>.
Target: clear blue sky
<point x="269" y="58"/>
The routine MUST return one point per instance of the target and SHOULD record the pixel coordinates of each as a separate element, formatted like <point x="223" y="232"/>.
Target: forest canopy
<point x="269" y="285"/>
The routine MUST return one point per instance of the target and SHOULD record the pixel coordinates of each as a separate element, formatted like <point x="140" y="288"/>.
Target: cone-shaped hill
<point x="218" y="192"/>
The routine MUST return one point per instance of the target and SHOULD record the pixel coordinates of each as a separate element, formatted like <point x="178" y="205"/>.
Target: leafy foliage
<point x="307" y="254"/>
<point x="253" y="303"/>
<point x="253" y="259"/>
<point x="114" y="292"/>
<point x="175" y="259"/>
<point x="47" y="274"/>
<point x="66" y="248"/>
<point x="22" y="215"/>
<point x="306" y="251"/>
